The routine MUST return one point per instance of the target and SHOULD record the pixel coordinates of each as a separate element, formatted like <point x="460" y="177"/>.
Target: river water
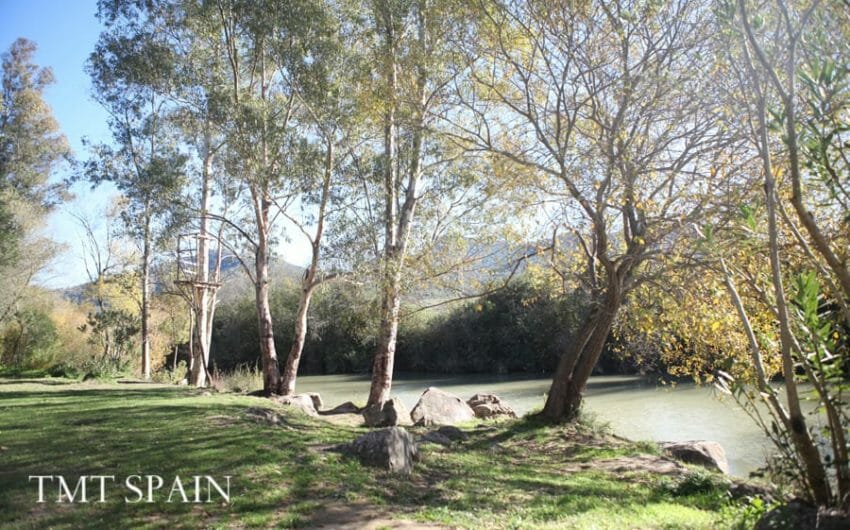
<point x="633" y="407"/>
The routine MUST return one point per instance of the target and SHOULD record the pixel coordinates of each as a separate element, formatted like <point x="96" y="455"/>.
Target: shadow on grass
<point x="47" y="382"/>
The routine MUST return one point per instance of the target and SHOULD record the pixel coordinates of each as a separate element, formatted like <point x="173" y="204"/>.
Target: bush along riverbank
<point x="302" y="466"/>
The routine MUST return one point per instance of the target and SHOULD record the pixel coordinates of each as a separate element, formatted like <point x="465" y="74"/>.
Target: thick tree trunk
<point x="577" y="362"/>
<point x="397" y="221"/>
<point x="202" y="303"/>
<point x="268" y="353"/>
<point x="382" y="363"/>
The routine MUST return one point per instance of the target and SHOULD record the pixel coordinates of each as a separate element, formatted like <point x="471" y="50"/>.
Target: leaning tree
<point x="605" y="105"/>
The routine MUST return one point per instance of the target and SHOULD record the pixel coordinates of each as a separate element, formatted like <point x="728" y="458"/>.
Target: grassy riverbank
<point x="511" y="475"/>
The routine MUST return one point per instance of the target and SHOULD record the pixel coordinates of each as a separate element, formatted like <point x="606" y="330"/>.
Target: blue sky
<point x="66" y="32"/>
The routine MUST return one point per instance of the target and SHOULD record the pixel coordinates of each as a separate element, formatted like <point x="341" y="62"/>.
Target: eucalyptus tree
<point x="131" y="70"/>
<point x="264" y="45"/>
<point x="605" y="106"/>
<point x="414" y="63"/>
<point x="200" y="101"/>
<point x="330" y="113"/>
<point x="31" y="148"/>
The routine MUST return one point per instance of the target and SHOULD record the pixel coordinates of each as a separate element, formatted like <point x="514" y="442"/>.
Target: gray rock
<point x="795" y="514"/>
<point x="453" y="433"/>
<point x="709" y="455"/>
<point x="435" y="437"/>
<point x="743" y="489"/>
<point x="264" y="415"/>
<point x="436" y="407"/>
<point x="344" y="408"/>
<point x="392" y="412"/>
<point x="301" y="402"/>
<point x="490" y="406"/>
<point x="392" y="449"/>
<point x="445" y="435"/>
<point x="317" y="400"/>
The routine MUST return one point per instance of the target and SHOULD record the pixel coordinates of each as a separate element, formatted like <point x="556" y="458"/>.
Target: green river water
<point x="633" y="407"/>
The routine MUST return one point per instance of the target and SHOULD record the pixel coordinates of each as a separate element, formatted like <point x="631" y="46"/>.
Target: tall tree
<point x="604" y="105"/>
<point x="31" y="149"/>
<point x="130" y="69"/>
<point x="791" y="103"/>
<point x="411" y="51"/>
<point x="329" y="111"/>
<point x="264" y="44"/>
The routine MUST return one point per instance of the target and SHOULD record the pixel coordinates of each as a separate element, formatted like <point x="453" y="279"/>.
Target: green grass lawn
<point x="513" y="475"/>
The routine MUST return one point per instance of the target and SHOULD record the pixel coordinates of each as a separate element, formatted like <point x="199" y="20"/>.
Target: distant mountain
<point x="235" y="283"/>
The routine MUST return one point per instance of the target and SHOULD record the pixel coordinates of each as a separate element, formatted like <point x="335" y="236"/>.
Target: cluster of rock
<point x="437" y="407"/>
<point x="487" y="406"/>
<point x="394" y="449"/>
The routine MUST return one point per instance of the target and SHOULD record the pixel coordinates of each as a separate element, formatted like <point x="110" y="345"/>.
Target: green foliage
<point x="510" y="330"/>
<point x="29" y="340"/>
<point x="168" y="376"/>
<point x="31" y="149"/>
<point x="744" y="516"/>
<point x="521" y="328"/>
<point x="240" y="380"/>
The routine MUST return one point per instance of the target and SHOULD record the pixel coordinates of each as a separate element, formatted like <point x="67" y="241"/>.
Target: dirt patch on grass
<point x="362" y="516"/>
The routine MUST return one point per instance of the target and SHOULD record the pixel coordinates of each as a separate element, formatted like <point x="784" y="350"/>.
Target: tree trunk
<point x="201" y="352"/>
<point x="382" y="363"/>
<point x="146" y="341"/>
<point x="287" y="385"/>
<point x="271" y="370"/>
<point x="268" y="353"/>
<point x="191" y="344"/>
<point x="577" y="362"/>
<point x="815" y="474"/>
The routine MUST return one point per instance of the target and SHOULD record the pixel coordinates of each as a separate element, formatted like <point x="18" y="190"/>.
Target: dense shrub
<point x="29" y="340"/>
<point x="522" y="328"/>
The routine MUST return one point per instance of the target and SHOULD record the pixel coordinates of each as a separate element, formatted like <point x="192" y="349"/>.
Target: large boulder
<point x="436" y="407"/>
<point x="490" y="406"/>
<point x="392" y="449"/>
<point x="302" y="402"/>
<point x="388" y="414"/>
<point x="709" y="455"/>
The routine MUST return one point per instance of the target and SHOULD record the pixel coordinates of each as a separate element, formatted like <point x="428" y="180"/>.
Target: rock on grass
<point x="392" y="449"/>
